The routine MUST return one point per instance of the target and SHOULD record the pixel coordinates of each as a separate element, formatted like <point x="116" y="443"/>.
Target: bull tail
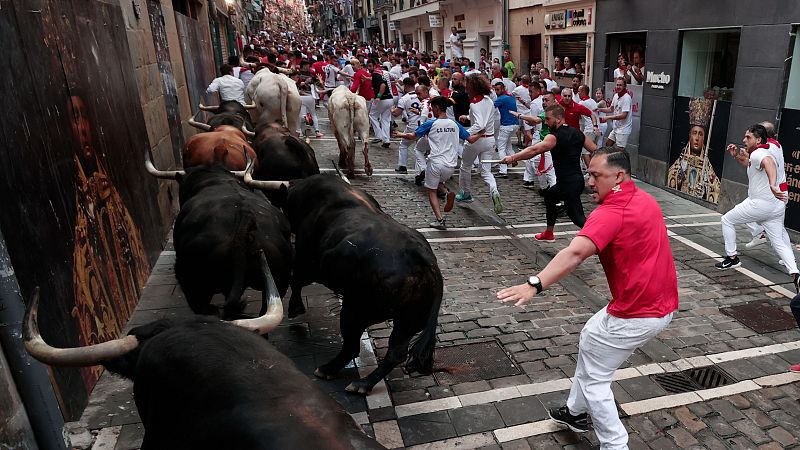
<point x="284" y="97"/>
<point x="420" y="358"/>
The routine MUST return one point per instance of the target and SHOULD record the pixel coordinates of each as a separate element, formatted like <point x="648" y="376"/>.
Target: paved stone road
<point x="534" y="346"/>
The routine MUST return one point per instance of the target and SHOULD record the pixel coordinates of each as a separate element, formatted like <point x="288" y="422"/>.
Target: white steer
<point x="349" y="119"/>
<point x="276" y="100"/>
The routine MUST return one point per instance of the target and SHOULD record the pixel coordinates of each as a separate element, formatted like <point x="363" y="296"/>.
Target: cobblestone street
<point x="499" y="367"/>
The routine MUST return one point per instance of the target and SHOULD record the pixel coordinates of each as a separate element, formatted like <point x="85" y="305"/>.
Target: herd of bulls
<point x="204" y="383"/>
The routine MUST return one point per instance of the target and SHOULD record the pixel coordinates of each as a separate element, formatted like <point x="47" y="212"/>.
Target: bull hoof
<point x="320" y="374"/>
<point x="359" y="387"/>
<point x="351" y="174"/>
<point x="368" y="170"/>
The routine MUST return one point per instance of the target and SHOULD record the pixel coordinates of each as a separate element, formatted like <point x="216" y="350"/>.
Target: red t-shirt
<point x="573" y="113"/>
<point x="362" y="84"/>
<point x="631" y="238"/>
<point x="316" y="68"/>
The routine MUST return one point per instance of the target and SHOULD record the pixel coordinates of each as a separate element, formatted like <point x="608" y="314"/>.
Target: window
<point x="708" y="64"/>
<point x="793" y="91"/>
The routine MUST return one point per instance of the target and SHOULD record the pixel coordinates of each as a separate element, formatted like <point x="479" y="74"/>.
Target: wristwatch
<point x="535" y="282"/>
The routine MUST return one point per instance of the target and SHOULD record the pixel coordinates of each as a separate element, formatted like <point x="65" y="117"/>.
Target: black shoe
<point x="441" y="194"/>
<point x="578" y="424"/>
<point x="419" y="178"/>
<point x="401" y="169"/>
<point x="542" y="192"/>
<point x="730" y="262"/>
<point x="796" y="282"/>
<point x="385" y="145"/>
<point x="502" y="175"/>
<point x="528" y="184"/>
<point x="439" y="225"/>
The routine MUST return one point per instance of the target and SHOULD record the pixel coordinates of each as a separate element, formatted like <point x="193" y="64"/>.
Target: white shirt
<point x="443" y="137"/>
<point x="634" y="82"/>
<point x="619" y="105"/>
<point x="330" y="71"/>
<point x="586" y="122"/>
<point x="521" y="94"/>
<point x="570" y="71"/>
<point x="482" y="116"/>
<point x="550" y="84"/>
<point x="536" y="110"/>
<point x="413" y="119"/>
<point x="758" y="181"/>
<point x="456" y="47"/>
<point x="618" y="73"/>
<point x="470" y="72"/>
<point x="229" y="88"/>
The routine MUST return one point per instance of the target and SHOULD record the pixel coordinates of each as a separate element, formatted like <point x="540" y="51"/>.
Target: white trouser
<point x="769" y="214"/>
<point x="308" y="106"/>
<point x="405" y="144"/>
<point x="483" y="148"/>
<point x="530" y="164"/>
<point x="545" y="173"/>
<point x="505" y="146"/>
<point x="606" y="342"/>
<point x="380" y="116"/>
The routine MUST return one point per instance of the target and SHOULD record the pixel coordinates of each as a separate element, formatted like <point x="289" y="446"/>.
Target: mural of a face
<point x="697" y="138"/>
<point x="81" y="127"/>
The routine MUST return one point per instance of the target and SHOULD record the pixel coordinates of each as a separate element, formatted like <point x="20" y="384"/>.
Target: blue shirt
<point x="505" y="104"/>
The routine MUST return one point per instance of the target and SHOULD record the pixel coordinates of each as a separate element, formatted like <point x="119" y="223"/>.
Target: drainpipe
<point x="30" y="376"/>
<point x="505" y="30"/>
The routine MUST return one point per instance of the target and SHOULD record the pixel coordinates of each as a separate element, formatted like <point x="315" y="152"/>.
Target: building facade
<point x="526" y="28"/>
<point x="711" y="69"/>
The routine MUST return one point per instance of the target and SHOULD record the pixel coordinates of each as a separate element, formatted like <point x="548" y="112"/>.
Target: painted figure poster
<point x="697" y="151"/>
<point x="79" y="212"/>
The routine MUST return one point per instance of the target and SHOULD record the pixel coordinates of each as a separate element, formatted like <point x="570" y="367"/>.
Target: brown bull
<point x="223" y="144"/>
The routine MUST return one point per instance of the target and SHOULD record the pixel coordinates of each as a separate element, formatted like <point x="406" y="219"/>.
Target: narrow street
<point x="499" y="367"/>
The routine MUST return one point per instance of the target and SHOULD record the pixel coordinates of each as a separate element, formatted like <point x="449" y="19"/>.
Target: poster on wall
<point x="79" y="213"/>
<point x="699" y="130"/>
<point x="789" y="138"/>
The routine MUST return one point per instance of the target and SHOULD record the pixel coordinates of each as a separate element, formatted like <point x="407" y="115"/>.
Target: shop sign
<point x="435" y="20"/>
<point x="392" y="25"/>
<point x="790" y="142"/>
<point x="555" y="20"/>
<point x="578" y="17"/>
<point x="657" y="80"/>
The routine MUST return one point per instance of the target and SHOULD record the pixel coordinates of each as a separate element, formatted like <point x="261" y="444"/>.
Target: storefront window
<point x="708" y="64"/>
<point x="793" y="90"/>
<point x="626" y="57"/>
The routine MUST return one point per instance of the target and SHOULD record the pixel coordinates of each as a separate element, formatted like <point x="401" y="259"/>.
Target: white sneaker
<point x="758" y="240"/>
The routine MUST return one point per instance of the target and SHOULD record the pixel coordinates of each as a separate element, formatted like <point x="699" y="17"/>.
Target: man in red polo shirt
<point x="574" y="110"/>
<point x="628" y="233"/>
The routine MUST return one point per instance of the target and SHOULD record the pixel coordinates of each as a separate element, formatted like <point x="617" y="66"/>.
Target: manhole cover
<point x="761" y="317"/>
<point x="472" y="362"/>
<point x="692" y="379"/>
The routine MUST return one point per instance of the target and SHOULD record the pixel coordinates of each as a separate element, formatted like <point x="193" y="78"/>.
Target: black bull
<point x="219" y="234"/>
<point x="383" y="270"/>
<point x="282" y="157"/>
<point x="203" y="384"/>
<point x="229" y="112"/>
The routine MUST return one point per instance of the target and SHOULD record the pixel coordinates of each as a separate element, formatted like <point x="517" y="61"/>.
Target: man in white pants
<point x="509" y="124"/>
<point x="765" y="203"/>
<point x="413" y="106"/>
<point x="481" y="118"/>
<point x="540" y="165"/>
<point x="628" y="233"/>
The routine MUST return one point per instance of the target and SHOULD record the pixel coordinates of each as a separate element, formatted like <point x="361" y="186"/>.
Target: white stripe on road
<point x="530" y="235"/>
<point x="526" y="390"/>
<point x="710" y="253"/>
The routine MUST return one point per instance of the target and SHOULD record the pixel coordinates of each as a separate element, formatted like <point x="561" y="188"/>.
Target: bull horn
<point x="151" y="169"/>
<point x="199" y="125"/>
<point x="259" y="184"/>
<point x="250" y="106"/>
<point x="74" y="357"/>
<point x="339" y="172"/>
<point x="274" y="314"/>
<point x="207" y="108"/>
<point x="247" y="132"/>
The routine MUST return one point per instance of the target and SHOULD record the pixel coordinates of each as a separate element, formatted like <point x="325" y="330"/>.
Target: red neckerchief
<point x="502" y="93"/>
<point x="476" y="99"/>
<point x="773" y="141"/>
<point x="445" y="92"/>
<point x="583" y="99"/>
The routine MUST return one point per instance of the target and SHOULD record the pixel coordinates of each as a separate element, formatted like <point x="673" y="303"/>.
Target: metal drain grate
<point x="692" y="379"/>
<point x="472" y="362"/>
<point x="761" y="317"/>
